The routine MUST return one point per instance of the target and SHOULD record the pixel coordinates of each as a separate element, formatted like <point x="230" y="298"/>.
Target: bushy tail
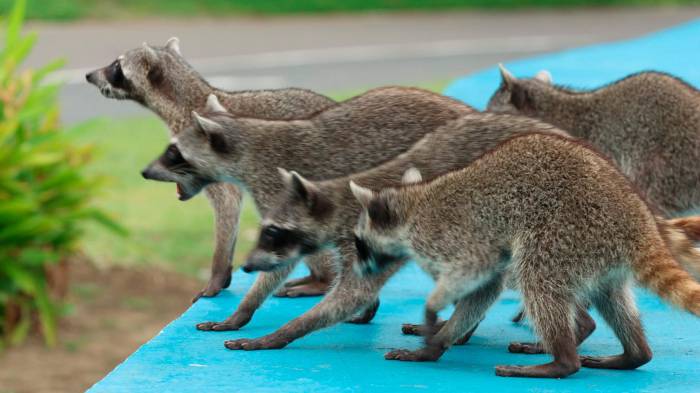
<point x="689" y="225"/>
<point x="679" y="234"/>
<point x="660" y="272"/>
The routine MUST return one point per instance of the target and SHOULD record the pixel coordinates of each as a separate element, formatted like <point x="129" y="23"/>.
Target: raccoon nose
<point x="89" y="76"/>
<point x="145" y="174"/>
<point x="247" y="269"/>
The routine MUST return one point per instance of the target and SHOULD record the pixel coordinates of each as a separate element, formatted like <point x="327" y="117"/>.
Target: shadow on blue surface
<point x="349" y="358"/>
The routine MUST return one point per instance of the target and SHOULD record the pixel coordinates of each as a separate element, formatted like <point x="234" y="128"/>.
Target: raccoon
<point x="308" y="217"/>
<point x="648" y="123"/>
<point x="354" y="135"/>
<point x="555" y="217"/>
<point x="160" y="79"/>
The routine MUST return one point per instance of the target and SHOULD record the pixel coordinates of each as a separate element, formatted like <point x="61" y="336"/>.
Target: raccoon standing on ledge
<point x="648" y="123"/>
<point x="160" y="79"/>
<point x="352" y="136"/>
<point x="556" y="218"/>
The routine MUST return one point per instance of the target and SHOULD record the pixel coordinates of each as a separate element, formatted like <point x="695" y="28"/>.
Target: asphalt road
<point x="333" y="53"/>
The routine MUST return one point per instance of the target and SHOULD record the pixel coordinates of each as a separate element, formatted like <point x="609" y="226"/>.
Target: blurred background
<point x="94" y="260"/>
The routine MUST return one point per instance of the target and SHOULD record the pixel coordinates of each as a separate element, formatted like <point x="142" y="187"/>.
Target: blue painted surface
<point x="349" y="358"/>
<point x="676" y="51"/>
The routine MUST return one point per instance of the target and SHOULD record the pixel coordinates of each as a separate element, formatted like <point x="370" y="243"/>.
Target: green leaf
<point x="14" y="22"/>
<point x="47" y="316"/>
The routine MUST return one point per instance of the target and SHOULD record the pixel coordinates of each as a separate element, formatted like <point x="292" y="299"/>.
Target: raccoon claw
<point x="411" y="329"/>
<point x="215" y="285"/>
<point x="246" y="344"/>
<point x="549" y="370"/>
<point x="508" y="371"/>
<point x="317" y="288"/>
<point x="420" y="355"/>
<point x="619" y="362"/>
<point x="527" y="348"/>
<point x="207" y="292"/>
<point x="217" y="326"/>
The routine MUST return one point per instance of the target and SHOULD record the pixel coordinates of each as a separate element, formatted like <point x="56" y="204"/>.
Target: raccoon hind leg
<point x="615" y="302"/>
<point x="552" y="315"/>
<point x="585" y="325"/>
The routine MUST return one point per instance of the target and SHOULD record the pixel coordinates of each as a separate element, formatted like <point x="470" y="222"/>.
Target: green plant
<point x="45" y="197"/>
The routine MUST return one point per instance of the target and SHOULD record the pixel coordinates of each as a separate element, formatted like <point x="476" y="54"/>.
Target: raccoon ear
<point x="520" y="98"/>
<point x="213" y="104"/>
<point x="411" y="176"/>
<point x="150" y="53"/>
<point x="506" y="76"/>
<point x="380" y="213"/>
<point x="286" y="176"/>
<point x="302" y="187"/>
<point x="213" y="131"/>
<point x="205" y="124"/>
<point x="362" y="194"/>
<point x="319" y="206"/>
<point x="173" y="45"/>
<point x="544" y="76"/>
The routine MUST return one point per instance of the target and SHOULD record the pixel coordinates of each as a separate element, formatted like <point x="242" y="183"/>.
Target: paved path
<point x="332" y="53"/>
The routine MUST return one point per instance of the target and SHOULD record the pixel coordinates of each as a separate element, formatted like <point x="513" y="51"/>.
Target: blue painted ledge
<point x="349" y="358"/>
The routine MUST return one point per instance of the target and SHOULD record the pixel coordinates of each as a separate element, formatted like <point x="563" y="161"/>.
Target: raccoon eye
<point x="270" y="233"/>
<point x="363" y="251"/>
<point x="116" y="75"/>
<point x="173" y="157"/>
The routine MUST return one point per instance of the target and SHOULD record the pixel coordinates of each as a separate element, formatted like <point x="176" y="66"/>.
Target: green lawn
<point x="72" y="9"/>
<point x="163" y="230"/>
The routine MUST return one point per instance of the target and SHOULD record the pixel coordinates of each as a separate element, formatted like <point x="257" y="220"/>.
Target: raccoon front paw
<point x="315" y="288"/>
<point x="217" y="326"/>
<point x="234" y="322"/>
<point x="216" y="284"/>
<point x="526" y="348"/>
<point x="247" y="344"/>
<point x="428" y="354"/>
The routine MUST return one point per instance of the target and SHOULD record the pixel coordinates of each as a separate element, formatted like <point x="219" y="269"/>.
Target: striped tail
<point x="661" y="273"/>
<point x="689" y="225"/>
<point x="679" y="234"/>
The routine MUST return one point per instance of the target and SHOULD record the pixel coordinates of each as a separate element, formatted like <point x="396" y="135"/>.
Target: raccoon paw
<point x="247" y="344"/>
<point x="527" y="348"/>
<point x="316" y="288"/>
<point x="216" y="283"/>
<point x="234" y="322"/>
<point x="217" y="326"/>
<point x="428" y="354"/>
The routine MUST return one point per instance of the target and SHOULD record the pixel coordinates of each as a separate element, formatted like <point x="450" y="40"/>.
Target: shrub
<point x="45" y="196"/>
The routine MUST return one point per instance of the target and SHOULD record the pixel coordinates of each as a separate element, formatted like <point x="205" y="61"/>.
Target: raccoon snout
<point x="91" y="77"/>
<point x="247" y="269"/>
<point x="148" y="174"/>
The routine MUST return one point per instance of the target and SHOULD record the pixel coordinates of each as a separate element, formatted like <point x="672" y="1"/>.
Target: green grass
<point x="162" y="230"/>
<point x="72" y="9"/>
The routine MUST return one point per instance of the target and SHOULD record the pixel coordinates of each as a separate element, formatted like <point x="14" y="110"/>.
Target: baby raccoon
<point x="349" y="137"/>
<point x="310" y="216"/>
<point x="648" y="123"/>
<point x="160" y="79"/>
<point x="555" y="217"/>
<point x="307" y="217"/>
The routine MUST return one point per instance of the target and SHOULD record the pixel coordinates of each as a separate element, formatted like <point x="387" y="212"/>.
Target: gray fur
<point x="555" y="217"/>
<point x="451" y="147"/>
<point x="350" y="137"/>
<point x="648" y="123"/>
<point x="173" y="95"/>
